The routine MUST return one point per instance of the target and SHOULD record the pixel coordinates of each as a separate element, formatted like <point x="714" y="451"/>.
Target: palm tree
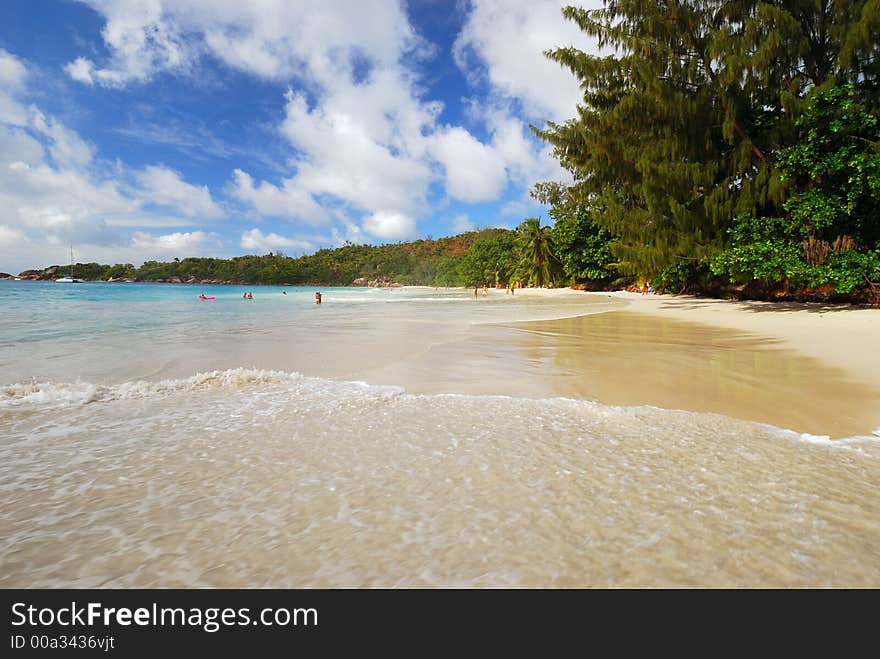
<point x="535" y="252"/>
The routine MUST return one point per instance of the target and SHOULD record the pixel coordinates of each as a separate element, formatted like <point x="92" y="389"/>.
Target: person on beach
<point x="475" y="293"/>
<point x="317" y="297"/>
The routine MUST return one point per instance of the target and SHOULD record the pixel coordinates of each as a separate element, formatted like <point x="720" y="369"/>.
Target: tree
<point x="582" y="248"/>
<point x="830" y="234"/>
<point x="680" y="128"/>
<point x="489" y="261"/>
<point x="535" y="252"/>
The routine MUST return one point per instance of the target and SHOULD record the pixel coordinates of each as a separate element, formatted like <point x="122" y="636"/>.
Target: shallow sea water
<point x="234" y="446"/>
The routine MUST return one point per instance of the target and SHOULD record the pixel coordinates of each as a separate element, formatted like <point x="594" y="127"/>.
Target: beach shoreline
<point x="800" y="367"/>
<point x="569" y="441"/>
<point x="839" y="335"/>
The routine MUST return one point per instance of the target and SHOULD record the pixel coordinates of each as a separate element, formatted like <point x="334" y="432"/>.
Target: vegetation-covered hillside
<point x="488" y="257"/>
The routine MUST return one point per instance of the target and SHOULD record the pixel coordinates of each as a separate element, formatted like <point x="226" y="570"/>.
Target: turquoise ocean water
<point x="148" y="438"/>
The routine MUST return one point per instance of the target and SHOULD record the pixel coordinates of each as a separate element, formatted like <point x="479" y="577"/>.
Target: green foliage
<point x="833" y="211"/>
<point x="847" y="271"/>
<point x="763" y="249"/>
<point x="835" y="167"/>
<point x="679" y="276"/>
<point x="472" y="258"/>
<point x="535" y="253"/>
<point x="683" y="124"/>
<point x="489" y="261"/>
<point x="582" y="247"/>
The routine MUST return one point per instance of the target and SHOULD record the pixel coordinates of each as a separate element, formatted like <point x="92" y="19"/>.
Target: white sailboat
<point x="69" y="278"/>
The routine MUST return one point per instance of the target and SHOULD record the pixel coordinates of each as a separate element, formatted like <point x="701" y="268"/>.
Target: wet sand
<point x="639" y="356"/>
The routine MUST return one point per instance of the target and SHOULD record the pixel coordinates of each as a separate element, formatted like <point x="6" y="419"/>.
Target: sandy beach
<point x="839" y="335"/>
<point x="421" y="437"/>
<point x="807" y="368"/>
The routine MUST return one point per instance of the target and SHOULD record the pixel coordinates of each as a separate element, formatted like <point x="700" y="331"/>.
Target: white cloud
<point x="353" y="234"/>
<point x="508" y="37"/>
<point x="12" y="81"/>
<point x="356" y="153"/>
<point x="66" y="147"/>
<point x="363" y="135"/>
<point x="165" y="187"/>
<point x="269" y="38"/>
<point x="286" y="201"/>
<point x="462" y="224"/>
<point x="142" y="41"/>
<point x="54" y="193"/>
<point x="390" y="226"/>
<point x="170" y="243"/>
<point x="11" y="237"/>
<point x="260" y="242"/>
<point x="19" y="147"/>
<point x="80" y="70"/>
<point x="474" y="171"/>
<point x="364" y="140"/>
<point x="12" y="71"/>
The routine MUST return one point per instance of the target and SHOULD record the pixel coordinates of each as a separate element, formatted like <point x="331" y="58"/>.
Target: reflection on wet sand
<point x="624" y="358"/>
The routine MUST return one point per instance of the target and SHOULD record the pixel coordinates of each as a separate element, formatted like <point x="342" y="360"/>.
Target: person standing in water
<point x="317" y="297"/>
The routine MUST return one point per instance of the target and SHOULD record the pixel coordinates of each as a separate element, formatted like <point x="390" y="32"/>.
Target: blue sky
<point x="154" y="129"/>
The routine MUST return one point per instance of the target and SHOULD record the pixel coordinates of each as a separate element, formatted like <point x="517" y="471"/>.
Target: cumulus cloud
<point x="285" y="201"/>
<point x="164" y="186"/>
<point x="12" y="81"/>
<point x="357" y="157"/>
<point x="80" y="70"/>
<point x="462" y="223"/>
<point x="11" y="237"/>
<point x="141" y="40"/>
<point x="54" y="192"/>
<point x="259" y="242"/>
<point x="19" y="148"/>
<point x="66" y="147"/>
<point x="364" y="140"/>
<point x="268" y="38"/>
<point x="507" y="38"/>
<point x="12" y="71"/>
<point x="474" y="171"/>
<point x="368" y="156"/>
<point x="170" y="243"/>
<point x="390" y="226"/>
